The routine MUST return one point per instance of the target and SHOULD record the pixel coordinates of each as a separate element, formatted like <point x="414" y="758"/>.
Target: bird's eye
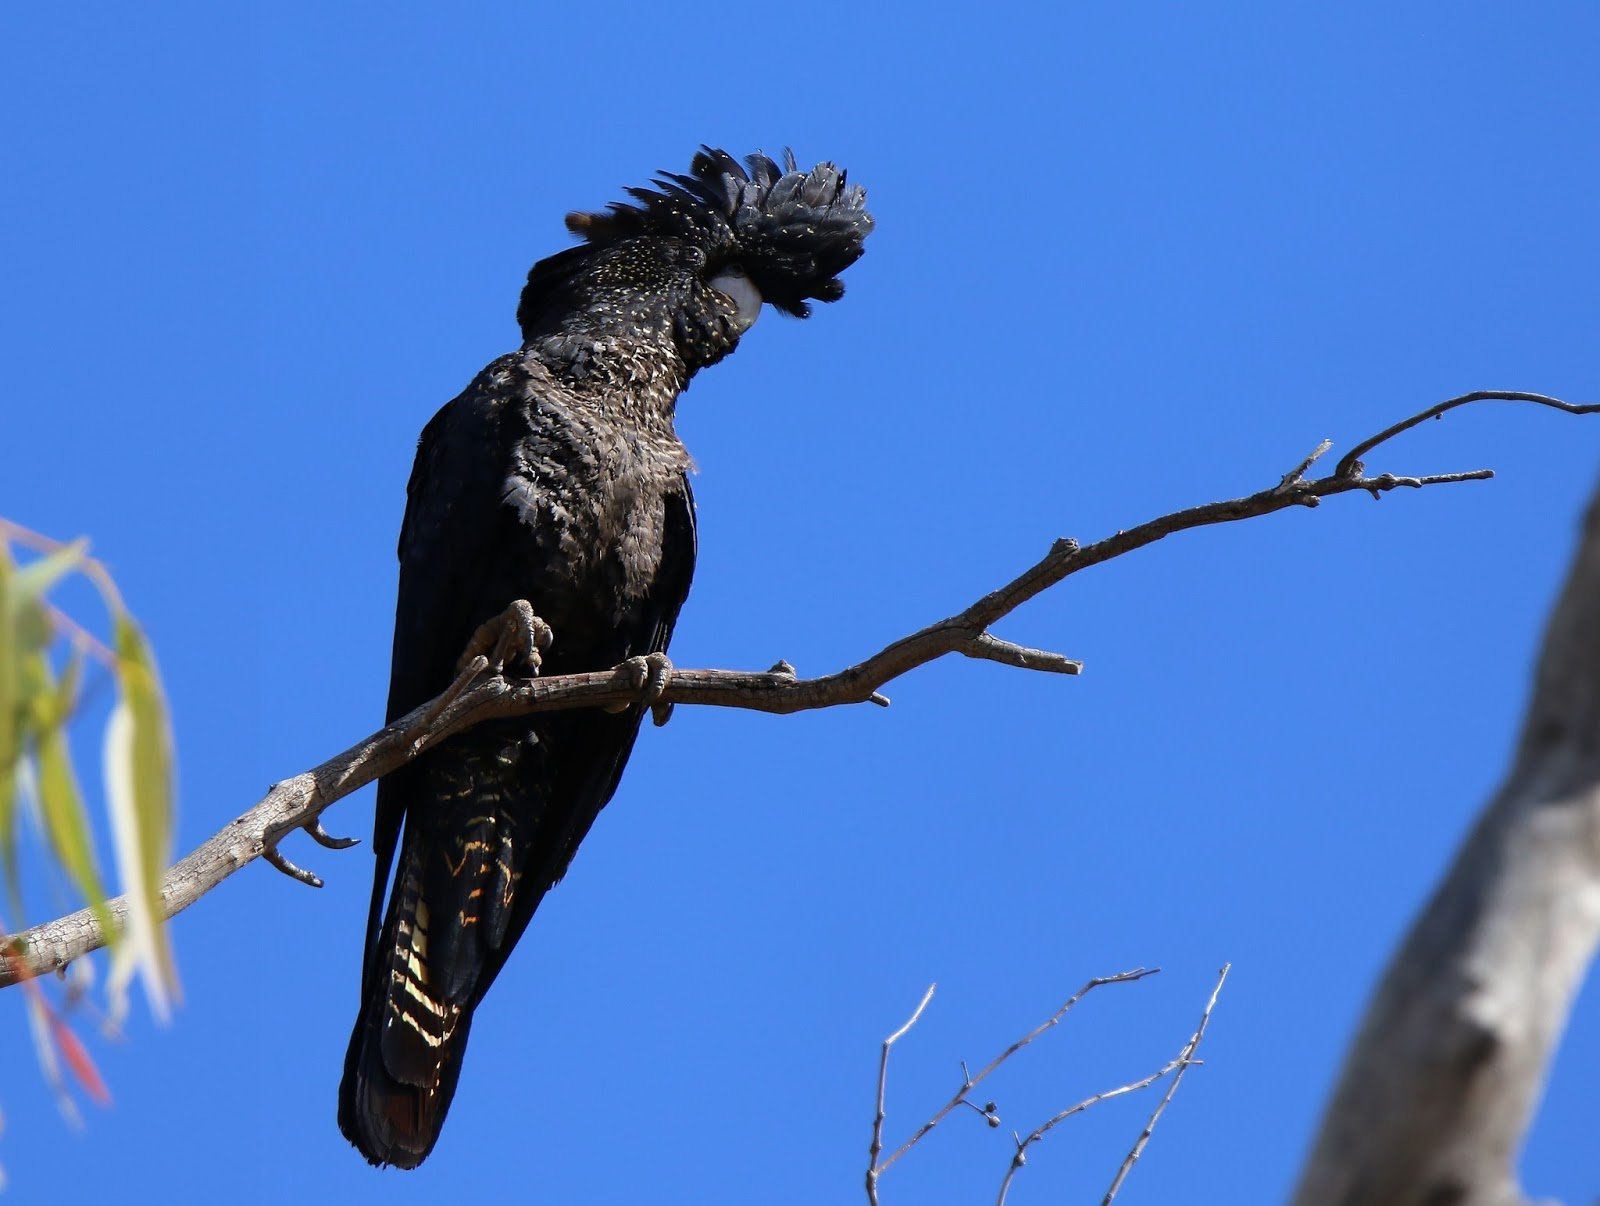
<point x="692" y="258"/>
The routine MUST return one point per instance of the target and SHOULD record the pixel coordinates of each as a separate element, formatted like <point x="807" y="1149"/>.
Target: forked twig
<point x="1184" y="1060"/>
<point x="1180" y="1065"/>
<point x="875" y="1167"/>
<point x="1350" y="464"/>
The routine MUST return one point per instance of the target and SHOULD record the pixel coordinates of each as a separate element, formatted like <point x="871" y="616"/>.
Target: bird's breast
<point x="594" y="499"/>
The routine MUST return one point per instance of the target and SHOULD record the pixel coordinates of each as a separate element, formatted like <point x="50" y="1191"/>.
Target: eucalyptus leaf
<point x="138" y="767"/>
<point x="66" y="822"/>
<point x="31" y="581"/>
<point x="12" y="720"/>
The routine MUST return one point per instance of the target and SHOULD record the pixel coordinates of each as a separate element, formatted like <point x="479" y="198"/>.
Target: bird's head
<point x="698" y="254"/>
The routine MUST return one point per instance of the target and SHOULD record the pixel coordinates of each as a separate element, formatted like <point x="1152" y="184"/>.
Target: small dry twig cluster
<point x="877" y="1164"/>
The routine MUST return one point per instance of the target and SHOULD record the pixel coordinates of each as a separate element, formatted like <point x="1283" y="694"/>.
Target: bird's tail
<point x="442" y="943"/>
<point x="405" y="1052"/>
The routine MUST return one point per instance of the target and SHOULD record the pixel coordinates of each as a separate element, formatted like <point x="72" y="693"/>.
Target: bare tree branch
<point x="970" y="1082"/>
<point x="298" y="802"/>
<point x="1350" y="463"/>
<point x="1441" y="1083"/>
<point x="1184" y="1060"/>
<point x="876" y="1168"/>
<point x="1019" y="1157"/>
<point x="876" y="1148"/>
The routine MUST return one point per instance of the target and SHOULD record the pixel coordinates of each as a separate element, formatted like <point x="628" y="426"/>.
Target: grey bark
<point x="1442" y="1081"/>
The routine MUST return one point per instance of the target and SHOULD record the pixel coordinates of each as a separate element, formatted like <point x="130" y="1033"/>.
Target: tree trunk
<point x="1444" y="1076"/>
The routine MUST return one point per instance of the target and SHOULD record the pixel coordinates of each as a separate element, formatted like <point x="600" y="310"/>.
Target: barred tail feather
<point x="406" y="1050"/>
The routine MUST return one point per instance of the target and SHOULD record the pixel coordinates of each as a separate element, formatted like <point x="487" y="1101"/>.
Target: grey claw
<point x="270" y="852"/>
<point x="323" y="838"/>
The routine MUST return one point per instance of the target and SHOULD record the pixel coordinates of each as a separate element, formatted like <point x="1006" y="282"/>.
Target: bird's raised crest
<point x="793" y="229"/>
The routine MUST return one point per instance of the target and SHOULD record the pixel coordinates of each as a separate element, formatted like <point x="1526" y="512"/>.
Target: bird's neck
<point x="640" y="377"/>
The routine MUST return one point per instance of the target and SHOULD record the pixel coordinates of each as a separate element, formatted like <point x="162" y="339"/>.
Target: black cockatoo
<point x="556" y="478"/>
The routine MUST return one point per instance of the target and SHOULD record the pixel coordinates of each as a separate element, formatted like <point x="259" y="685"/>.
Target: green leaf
<point x="66" y="822"/>
<point x="138" y="767"/>
<point x="67" y="688"/>
<point x="32" y="713"/>
<point x="11" y="727"/>
<point x="32" y="581"/>
<point x="29" y="584"/>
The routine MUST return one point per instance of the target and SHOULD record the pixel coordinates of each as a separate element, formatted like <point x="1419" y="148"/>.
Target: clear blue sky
<point x="1128" y="258"/>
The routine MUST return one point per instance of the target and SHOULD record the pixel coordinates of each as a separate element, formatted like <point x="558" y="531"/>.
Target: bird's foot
<point x="650" y="675"/>
<point x="514" y="638"/>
